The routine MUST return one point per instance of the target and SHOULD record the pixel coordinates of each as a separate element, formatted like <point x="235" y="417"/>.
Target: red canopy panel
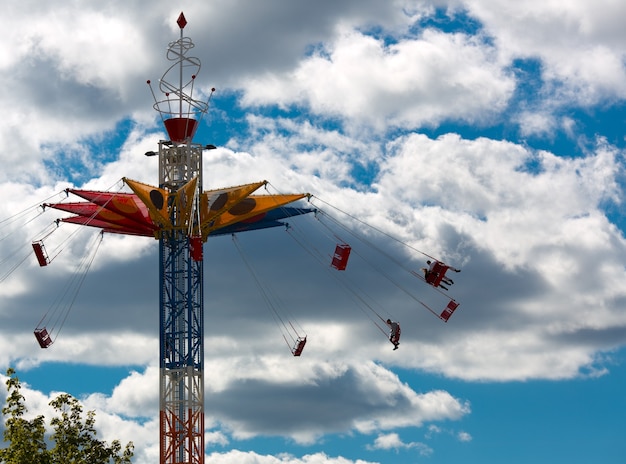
<point x="109" y="227"/>
<point x="124" y="204"/>
<point x="89" y="213"/>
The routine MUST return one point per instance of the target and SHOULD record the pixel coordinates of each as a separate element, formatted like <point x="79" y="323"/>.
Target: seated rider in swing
<point x="394" y="333"/>
<point x="436" y="274"/>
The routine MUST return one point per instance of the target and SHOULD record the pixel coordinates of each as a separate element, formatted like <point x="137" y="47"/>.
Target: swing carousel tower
<point x="181" y="216"/>
<point x="185" y="221"/>
<point x="181" y="302"/>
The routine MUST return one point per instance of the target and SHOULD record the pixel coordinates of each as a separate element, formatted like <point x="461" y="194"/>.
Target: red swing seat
<point x="340" y="258"/>
<point x="40" y="253"/>
<point x="43" y="337"/>
<point x="436" y="274"/>
<point x="297" y="349"/>
<point x="195" y="248"/>
<point x="448" y="310"/>
<point x="395" y="338"/>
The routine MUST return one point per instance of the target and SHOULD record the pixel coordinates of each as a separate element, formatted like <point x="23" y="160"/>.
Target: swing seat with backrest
<point x="340" y="258"/>
<point x="40" y="253"/>
<point x="297" y="349"/>
<point x="436" y="273"/>
<point x="43" y="337"/>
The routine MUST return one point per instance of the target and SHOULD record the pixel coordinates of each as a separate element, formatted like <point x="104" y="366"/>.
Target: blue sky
<point x="485" y="133"/>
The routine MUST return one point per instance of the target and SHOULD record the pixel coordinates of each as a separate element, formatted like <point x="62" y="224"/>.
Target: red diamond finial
<point x="182" y="22"/>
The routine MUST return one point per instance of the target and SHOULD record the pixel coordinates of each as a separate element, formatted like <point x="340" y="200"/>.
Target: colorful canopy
<point x="150" y="210"/>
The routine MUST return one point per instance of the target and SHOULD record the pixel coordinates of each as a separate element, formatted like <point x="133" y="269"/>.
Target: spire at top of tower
<point x="180" y="110"/>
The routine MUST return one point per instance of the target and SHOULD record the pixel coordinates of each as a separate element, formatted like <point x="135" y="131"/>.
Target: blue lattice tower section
<point x="181" y="338"/>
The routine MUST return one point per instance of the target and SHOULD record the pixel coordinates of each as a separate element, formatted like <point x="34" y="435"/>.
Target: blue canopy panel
<point x="266" y="220"/>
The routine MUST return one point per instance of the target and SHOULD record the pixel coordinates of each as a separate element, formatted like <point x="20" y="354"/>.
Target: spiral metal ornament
<point x="179" y="110"/>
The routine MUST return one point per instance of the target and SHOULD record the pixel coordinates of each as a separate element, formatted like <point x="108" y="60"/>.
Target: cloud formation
<point x="390" y="111"/>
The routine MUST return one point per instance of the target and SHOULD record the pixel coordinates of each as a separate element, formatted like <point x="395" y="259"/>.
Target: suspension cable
<point x="57" y="313"/>
<point x="271" y="300"/>
<point x="395" y="239"/>
<point x="357" y="296"/>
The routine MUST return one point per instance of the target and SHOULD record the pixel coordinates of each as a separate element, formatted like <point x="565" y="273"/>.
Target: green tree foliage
<point x="72" y="441"/>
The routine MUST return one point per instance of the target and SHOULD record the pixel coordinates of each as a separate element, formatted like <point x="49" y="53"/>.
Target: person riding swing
<point x="394" y="333"/>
